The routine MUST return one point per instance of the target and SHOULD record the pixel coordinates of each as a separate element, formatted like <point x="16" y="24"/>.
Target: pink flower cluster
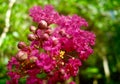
<point x="57" y="47"/>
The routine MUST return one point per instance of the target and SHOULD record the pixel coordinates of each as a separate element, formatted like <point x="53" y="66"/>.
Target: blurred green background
<point x="103" y="16"/>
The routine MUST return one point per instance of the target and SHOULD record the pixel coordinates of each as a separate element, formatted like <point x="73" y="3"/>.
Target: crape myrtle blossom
<point x="56" y="51"/>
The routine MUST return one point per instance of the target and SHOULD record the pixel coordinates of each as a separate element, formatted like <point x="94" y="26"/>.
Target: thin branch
<point x="7" y="21"/>
<point x="95" y="81"/>
<point x="106" y="67"/>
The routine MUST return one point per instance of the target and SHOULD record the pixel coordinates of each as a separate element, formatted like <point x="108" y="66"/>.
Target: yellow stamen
<point x="62" y="54"/>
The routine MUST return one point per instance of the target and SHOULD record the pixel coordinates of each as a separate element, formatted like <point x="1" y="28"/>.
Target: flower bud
<point x="42" y="24"/>
<point x="45" y="36"/>
<point x="31" y="37"/>
<point x="32" y="29"/>
<point x="55" y="40"/>
<point x="22" y="55"/>
<point x="22" y="45"/>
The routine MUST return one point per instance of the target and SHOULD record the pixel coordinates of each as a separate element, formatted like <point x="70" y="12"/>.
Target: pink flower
<point x="58" y="52"/>
<point x="71" y="68"/>
<point x="52" y="46"/>
<point x="45" y="62"/>
<point x="13" y="62"/>
<point x="34" y="80"/>
<point x="67" y="44"/>
<point x="72" y="82"/>
<point x="48" y="14"/>
<point x="14" y="78"/>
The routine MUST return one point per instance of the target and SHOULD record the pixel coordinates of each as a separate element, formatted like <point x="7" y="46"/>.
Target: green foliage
<point x="22" y="81"/>
<point x="103" y="17"/>
<point x="41" y="75"/>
